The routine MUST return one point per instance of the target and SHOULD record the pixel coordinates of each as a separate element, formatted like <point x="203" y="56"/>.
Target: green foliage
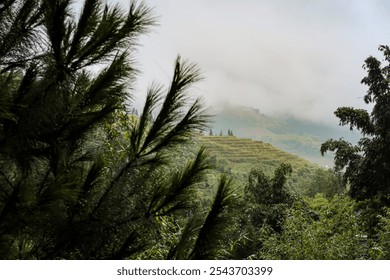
<point x="80" y="178"/>
<point x="367" y="164"/>
<point x="325" y="181"/>
<point x="333" y="234"/>
<point x="218" y="223"/>
<point x="381" y="248"/>
<point x="266" y="200"/>
<point x="51" y="169"/>
<point x="268" y="197"/>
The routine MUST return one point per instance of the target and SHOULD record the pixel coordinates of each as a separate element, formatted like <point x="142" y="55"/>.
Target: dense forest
<point x="84" y="177"/>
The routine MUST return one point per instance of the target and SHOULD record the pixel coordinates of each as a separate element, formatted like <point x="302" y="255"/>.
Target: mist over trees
<point x="84" y="175"/>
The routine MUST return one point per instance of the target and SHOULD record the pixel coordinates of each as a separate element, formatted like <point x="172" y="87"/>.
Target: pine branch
<point x="86" y="24"/>
<point x="55" y="21"/>
<point x="170" y="125"/>
<point x="209" y="239"/>
<point x="139" y="129"/>
<point x="182" y="250"/>
<point x="112" y="33"/>
<point x="19" y="42"/>
<point x="175" y="194"/>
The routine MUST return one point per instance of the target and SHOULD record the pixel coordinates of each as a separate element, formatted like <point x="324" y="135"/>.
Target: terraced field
<point x="238" y="155"/>
<point x="248" y="152"/>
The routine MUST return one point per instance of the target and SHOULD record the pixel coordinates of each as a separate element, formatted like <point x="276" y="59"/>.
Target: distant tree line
<point x="229" y="133"/>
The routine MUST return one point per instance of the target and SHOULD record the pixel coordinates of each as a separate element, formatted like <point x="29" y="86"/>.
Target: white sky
<point x="296" y="57"/>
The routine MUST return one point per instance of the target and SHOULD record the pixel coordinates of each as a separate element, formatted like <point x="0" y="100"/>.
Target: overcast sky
<point x="295" y="57"/>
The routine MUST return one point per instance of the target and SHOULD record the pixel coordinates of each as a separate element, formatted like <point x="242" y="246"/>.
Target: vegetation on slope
<point x="235" y="156"/>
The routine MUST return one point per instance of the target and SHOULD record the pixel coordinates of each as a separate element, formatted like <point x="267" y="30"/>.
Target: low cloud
<point x="296" y="58"/>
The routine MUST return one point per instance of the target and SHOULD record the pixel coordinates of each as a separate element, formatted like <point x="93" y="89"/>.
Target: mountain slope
<point x="237" y="156"/>
<point x="295" y="136"/>
<point x="241" y="154"/>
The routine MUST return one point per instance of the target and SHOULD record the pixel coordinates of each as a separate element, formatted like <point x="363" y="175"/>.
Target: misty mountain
<point x="299" y="137"/>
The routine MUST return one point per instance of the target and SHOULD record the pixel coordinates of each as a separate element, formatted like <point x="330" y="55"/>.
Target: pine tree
<point x="79" y="179"/>
<point x="53" y="105"/>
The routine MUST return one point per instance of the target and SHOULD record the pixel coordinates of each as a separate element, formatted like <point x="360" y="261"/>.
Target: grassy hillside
<point x="298" y="137"/>
<point x="237" y="156"/>
<point x="243" y="153"/>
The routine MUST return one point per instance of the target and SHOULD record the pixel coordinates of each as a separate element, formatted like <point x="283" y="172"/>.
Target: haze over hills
<point x="299" y="137"/>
